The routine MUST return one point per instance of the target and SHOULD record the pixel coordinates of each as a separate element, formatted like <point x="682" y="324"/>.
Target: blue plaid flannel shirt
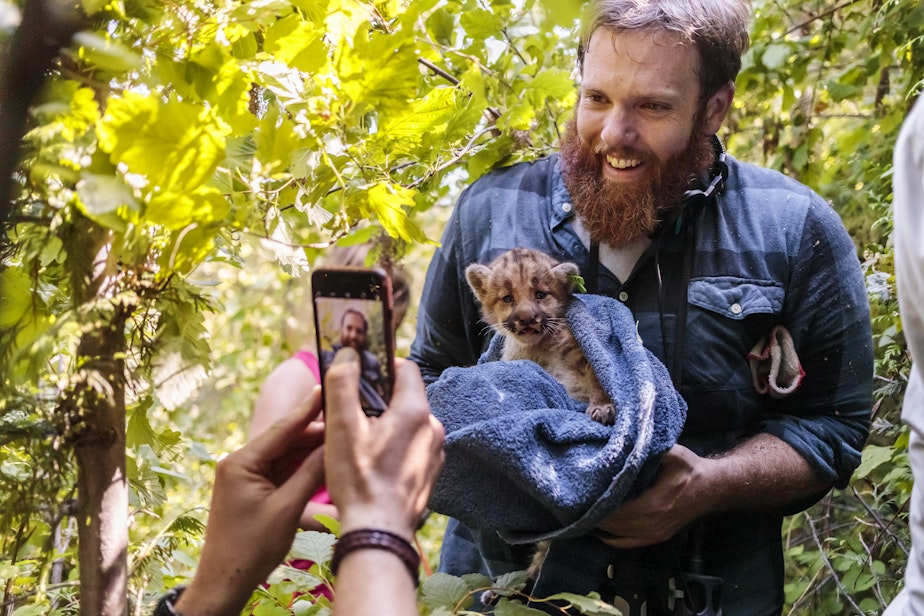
<point x="769" y="251"/>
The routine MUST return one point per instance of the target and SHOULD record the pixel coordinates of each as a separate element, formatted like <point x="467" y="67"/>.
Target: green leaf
<point x="298" y="43"/>
<point x="387" y="201"/>
<point x="874" y="456"/>
<point x="480" y="24"/>
<point x="176" y="145"/>
<point x="509" y="607"/>
<point x="380" y="73"/>
<point x="554" y="83"/>
<point x="445" y="591"/>
<point x="104" y="54"/>
<point x="330" y="523"/>
<point x="564" y="12"/>
<point x="775" y="56"/>
<point x="180" y="210"/>
<point x="519" y="116"/>
<point x="277" y="144"/>
<point x="107" y="201"/>
<point x="511" y="581"/>
<point x="21" y="310"/>
<point x="314" y="546"/>
<point x="425" y="116"/>
<point x="590" y="605"/>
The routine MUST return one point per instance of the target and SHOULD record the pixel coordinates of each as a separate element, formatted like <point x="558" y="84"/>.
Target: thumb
<point x="341" y="385"/>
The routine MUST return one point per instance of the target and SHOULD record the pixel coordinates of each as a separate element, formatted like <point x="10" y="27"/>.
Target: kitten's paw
<point x="603" y="414"/>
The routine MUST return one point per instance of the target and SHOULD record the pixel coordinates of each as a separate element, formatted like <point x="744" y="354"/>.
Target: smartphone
<point x="353" y="307"/>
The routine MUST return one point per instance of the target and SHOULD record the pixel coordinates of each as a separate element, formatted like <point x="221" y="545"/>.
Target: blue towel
<point x="521" y="456"/>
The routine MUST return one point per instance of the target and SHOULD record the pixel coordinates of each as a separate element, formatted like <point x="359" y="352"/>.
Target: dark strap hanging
<point x="593" y="269"/>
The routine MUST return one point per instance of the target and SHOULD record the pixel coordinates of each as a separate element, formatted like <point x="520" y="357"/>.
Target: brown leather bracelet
<point x="370" y="538"/>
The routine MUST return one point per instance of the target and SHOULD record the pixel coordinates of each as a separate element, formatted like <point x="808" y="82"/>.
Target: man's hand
<point x="665" y="508"/>
<point x="763" y="473"/>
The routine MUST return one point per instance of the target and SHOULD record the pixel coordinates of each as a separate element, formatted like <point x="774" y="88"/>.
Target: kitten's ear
<point x="478" y="277"/>
<point x="565" y="272"/>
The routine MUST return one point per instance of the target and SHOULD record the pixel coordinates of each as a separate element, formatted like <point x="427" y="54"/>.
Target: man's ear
<point x="717" y="108"/>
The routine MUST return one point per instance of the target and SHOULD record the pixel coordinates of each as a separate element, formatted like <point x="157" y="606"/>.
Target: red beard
<point x="620" y="213"/>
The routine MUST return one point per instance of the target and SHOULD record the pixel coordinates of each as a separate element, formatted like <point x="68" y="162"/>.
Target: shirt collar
<point x="562" y="208"/>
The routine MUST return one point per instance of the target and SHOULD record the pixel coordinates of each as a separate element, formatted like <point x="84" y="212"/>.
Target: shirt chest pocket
<point x="726" y="316"/>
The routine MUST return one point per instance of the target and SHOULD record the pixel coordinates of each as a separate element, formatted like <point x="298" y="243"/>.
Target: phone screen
<point x="353" y="308"/>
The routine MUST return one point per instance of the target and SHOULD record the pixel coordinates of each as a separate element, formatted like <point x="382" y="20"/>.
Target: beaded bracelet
<point x="366" y="538"/>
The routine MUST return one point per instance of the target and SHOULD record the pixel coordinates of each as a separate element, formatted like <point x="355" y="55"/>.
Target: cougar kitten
<point x="524" y="294"/>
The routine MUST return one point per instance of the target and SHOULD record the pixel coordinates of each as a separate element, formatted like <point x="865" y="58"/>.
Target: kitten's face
<point x="523" y="293"/>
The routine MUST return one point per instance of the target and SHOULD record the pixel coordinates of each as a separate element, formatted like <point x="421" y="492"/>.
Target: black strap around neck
<point x="593" y="269"/>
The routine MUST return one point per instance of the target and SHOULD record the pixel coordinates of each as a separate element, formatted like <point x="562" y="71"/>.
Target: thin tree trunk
<point x="94" y="406"/>
<point x="102" y="487"/>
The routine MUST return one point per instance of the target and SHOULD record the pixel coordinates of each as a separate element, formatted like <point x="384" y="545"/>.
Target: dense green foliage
<point x="189" y="160"/>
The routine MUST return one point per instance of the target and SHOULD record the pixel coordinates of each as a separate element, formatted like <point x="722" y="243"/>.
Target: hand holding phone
<point x="353" y="307"/>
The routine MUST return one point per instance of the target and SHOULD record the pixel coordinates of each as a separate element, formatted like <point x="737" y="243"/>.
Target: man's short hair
<point x="717" y="28"/>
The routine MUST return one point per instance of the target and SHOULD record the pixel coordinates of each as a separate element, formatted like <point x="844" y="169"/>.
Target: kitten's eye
<point x="508" y="299"/>
<point x="541" y="294"/>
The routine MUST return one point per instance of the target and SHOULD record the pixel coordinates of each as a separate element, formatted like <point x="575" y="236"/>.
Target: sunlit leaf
<point x="176" y="145"/>
<point x="379" y="72"/>
<point x="298" y="43"/>
<point x="105" y="54"/>
<point x="388" y="203"/>
<point x="550" y="83"/>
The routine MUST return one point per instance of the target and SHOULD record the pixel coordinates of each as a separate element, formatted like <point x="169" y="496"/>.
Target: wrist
<point x="396" y="522"/>
<point x="363" y="539"/>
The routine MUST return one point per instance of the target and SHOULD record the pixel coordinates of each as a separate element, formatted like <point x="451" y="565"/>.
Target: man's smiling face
<point x="638" y="102"/>
<point x="641" y="132"/>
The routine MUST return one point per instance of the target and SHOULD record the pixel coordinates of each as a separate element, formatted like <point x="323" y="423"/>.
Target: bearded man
<point x="710" y="254"/>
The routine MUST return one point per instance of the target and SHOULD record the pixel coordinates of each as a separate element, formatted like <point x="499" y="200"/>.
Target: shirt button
<point x="623" y="296"/>
<point x="565" y="207"/>
<point x="736" y="308"/>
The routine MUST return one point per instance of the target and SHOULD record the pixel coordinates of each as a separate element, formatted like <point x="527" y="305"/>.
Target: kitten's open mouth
<point x="526" y="331"/>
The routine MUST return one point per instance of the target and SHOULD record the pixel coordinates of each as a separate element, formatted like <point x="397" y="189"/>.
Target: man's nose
<point x="618" y="128"/>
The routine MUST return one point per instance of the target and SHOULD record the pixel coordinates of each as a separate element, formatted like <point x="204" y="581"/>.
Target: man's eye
<point x="541" y="294"/>
<point x="508" y="299"/>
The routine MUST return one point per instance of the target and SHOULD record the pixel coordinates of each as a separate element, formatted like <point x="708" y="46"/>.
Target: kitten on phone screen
<point x="524" y="294"/>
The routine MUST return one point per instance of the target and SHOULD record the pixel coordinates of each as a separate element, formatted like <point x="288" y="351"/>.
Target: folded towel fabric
<point x="521" y="456"/>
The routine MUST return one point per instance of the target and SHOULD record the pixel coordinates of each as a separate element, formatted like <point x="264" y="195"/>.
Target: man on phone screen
<point x="354" y="328"/>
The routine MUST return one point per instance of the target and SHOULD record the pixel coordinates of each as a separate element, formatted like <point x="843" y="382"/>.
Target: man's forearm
<point x="763" y="473"/>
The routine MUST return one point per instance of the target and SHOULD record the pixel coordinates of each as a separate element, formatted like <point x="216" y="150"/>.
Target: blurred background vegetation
<point x="187" y="163"/>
